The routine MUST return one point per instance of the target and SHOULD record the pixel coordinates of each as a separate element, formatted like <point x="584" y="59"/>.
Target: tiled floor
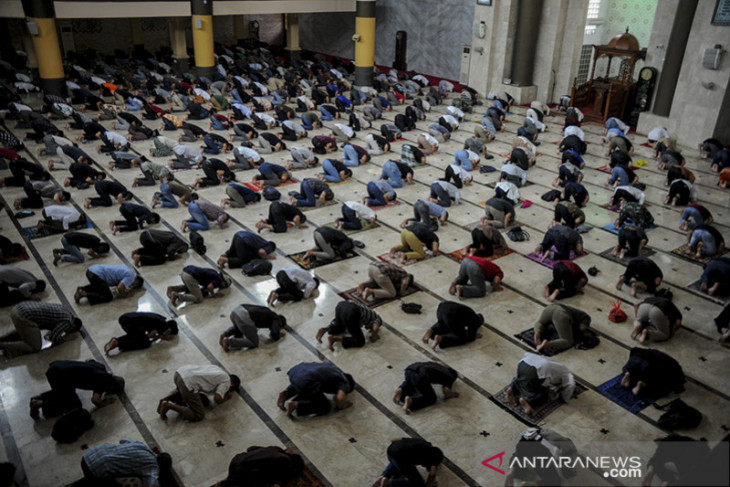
<point x="348" y="448"/>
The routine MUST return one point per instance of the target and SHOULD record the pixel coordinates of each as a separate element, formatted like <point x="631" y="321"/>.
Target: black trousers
<point x="277" y="219"/>
<point x="288" y="289"/>
<point x="97" y="291"/>
<point x="33" y="199"/>
<point x="563" y="214"/>
<point x="563" y="281"/>
<point x="451" y="336"/>
<point x="9" y="297"/>
<point x="240" y="253"/>
<point x="356" y="338"/>
<point x="627" y="239"/>
<point x="288" y="134"/>
<point x="619" y="194"/>
<point x="480" y="242"/>
<point x="129" y="224"/>
<point x="151" y="252"/>
<point x="681" y="191"/>
<point x="419" y="389"/>
<point x="450" y="176"/>
<point x="136" y="325"/>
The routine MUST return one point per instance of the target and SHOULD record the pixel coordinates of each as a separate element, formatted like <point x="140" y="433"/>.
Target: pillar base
<point x="54" y="86"/>
<point x="522" y="94"/>
<point x="293" y="54"/>
<point x="180" y="65"/>
<point x="364" y="75"/>
<point x="208" y="72"/>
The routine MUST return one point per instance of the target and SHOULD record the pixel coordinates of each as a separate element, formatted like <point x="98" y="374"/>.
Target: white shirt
<point x="65" y="214"/>
<point x="635" y="192"/>
<point x="244" y="109"/>
<point x="361" y="210"/>
<point x="430" y="139"/>
<point x="98" y="80"/>
<point x="208" y="379"/>
<point x="515" y="170"/>
<point x="658" y="133"/>
<point x="460" y="172"/>
<point x="241" y="80"/>
<point x="574" y="130"/>
<point x="693" y="194"/>
<point x="451" y="189"/>
<point x="473" y="156"/>
<point x="450" y="120"/>
<point x="345" y="129"/>
<point x="302" y="278"/>
<point x="201" y="92"/>
<point x="187" y="152"/>
<point x="336" y="73"/>
<point x="420" y="79"/>
<point x="72" y="86"/>
<point x="248" y="153"/>
<point x="266" y="118"/>
<point x="61" y="141"/>
<point x="455" y="112"/>
<point x="263" y="88"/>
<point x="511" y="190"/>
<point x="115" y="138"/>
<point x="556" y="376"/>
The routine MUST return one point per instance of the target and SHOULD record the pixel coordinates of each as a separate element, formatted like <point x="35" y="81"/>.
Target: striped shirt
<point x="391" y="271"/>
<point x="48" y="316"/>
<point x="128" y="459"/>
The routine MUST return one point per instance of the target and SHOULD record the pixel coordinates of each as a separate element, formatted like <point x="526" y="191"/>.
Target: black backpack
<point x="197" y="242"/>
<point x="257" y="267"/>
<point x="411" y="308"/>
<point x="517" y="234"/>
<point x="678" y="415"/>
<point x="72" y="425"/>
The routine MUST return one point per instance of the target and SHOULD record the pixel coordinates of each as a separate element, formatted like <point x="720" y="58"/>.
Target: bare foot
<point x="111" y="345"/>
<point x="331" y="341"/>
<point x="320" y="334"/>
<point x="290" y="409"/>
<point x="35" y="408"/>
<point x="78" y="295"/>
<point x="397" y="395"/>
<point x="526" y="406"/>
<point x="635" y="332"/>
<point x="452" y="288"/>
<point x="407" y="404"/>
<point x="56" y="256"/>
<point x="633" y="289"/>
<point x="162" y="408"/>
<point x="626" y="380"/>
<point x="436" y="341"/>
<point x="459" y="290"/>
<point x="644" y="337"/>
<point x="224" y="344"/>
<point x="511" y="397"/>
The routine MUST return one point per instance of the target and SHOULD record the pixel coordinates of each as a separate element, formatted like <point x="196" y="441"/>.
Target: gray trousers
<point x="237" y="200"/>
<point x="424" y="145"/>
<point x="437" y="135"/>
<point x="264" y="146"/>
<point x="563" y="323"/>
<point x="340" y="136"/>
<point x="194" y="410"/>
<point x="190" y="289"/>
<point x="495" y="215"/>
<point x="29" y="333"/>
<point x="651" y="318"/>
<point x="243" y="333"/>
<point x="472" y="279"/>
<point x="324" y="250"/>
<point x="380" y="284"/>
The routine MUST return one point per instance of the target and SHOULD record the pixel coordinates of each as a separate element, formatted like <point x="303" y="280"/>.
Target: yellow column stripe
<point x="47" y="49"/>
<point x="365" y="47"/>
<point x="203" y="42"/>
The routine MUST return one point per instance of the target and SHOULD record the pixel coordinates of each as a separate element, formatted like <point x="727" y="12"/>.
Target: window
<point x="591" y="29"/>
<point x="585" y="63"/>
<point x="594" y="9"/>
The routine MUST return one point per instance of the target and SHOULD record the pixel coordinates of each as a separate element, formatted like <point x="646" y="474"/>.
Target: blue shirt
<point x="385" y="188"/>
<point x="434" y="209"/>
<point x="253" y="240"/>
<point x="204" y="276"/>
<point x="114" y="275"/>
<point x="127" y="459"/>
<point x="248" y="194"/>
<point x="269" y="168"/>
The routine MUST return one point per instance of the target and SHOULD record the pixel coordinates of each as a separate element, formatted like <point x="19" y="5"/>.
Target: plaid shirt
<point x="391" y="271"/>
<point x="48" y="316"/>
<point x="9" y="141"/>
<point x="128" y="459"/>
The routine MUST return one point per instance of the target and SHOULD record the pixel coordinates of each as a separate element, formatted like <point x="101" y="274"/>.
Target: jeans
<point x="326" y="115"/>
<point x="693" y="214"/>
<point x="350" y="221"/>
<point x="216" y="124"/>
<point x="462" y="159"/>
<point x="210" y="146"/>
<point x="166" y="197"/>
<point x="309" y="198"/>
<point x="71" y="253"/>
<point x="351" y="157"/>
<point x="620" y="174"/>
<point x="376" y="197"/>
<point x="392" y="174"/>
<point x="709" y="246"/>
<point x="330" y="172"/>
<point x="198" y="221"/>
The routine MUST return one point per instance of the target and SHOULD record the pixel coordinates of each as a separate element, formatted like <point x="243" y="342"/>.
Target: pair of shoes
<point x="488" y="156"/>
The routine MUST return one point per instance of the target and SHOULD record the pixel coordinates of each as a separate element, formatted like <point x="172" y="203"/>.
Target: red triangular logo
<point x="498" y="455"/>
